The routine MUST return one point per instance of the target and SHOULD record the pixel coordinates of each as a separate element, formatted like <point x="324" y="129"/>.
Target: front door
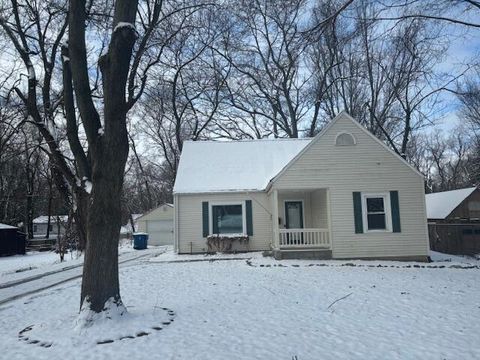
<point x="294" y="220"/>
<point x="293" y="215"/>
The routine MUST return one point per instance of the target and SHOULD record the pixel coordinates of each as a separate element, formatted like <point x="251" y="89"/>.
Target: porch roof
<point x="228" y="166"/>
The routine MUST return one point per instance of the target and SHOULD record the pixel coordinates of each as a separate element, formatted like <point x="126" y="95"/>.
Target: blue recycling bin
<point x="140" y="241"/>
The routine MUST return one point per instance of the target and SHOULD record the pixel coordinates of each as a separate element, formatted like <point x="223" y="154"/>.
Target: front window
<point x="227" y="219"/>
<point x="375" y="212"/>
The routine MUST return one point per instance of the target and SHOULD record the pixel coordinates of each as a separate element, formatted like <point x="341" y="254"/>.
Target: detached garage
<point x="158" y="224"/>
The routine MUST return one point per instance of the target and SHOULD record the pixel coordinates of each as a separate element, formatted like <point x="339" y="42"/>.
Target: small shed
<point x="12" y="241"/>
<point x="454" y="221"/>
<point x="158" y="224"/>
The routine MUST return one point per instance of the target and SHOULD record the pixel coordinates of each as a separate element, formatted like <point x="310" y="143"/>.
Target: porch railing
<point x="304" y="238"/>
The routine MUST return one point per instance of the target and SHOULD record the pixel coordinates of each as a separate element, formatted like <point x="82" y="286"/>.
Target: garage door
<point x="160" y="232"/>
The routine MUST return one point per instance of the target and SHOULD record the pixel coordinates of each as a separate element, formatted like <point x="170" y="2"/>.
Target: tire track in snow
<point x="49" y="276"/>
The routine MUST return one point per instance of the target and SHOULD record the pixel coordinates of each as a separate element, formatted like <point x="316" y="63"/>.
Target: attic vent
<point x="345" y="139"/>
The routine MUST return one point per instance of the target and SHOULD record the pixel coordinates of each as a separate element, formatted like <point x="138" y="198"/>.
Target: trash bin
<point x="140" y="241"/>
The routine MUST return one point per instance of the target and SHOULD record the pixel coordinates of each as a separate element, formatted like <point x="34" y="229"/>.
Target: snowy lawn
<point x="33" y="264"/>
<point x="233" y="310"/>
<point x="30" y="261"/>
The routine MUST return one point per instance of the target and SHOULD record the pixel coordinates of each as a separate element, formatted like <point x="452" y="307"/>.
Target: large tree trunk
<point x="81" y="217"/>
<point x="108" y="146"/>
<point x="103" y="227"/>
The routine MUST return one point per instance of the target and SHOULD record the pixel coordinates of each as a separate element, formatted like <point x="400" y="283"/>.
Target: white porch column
<point x="329" y="219"/>
<point x="276" y="242"/>
<point x="175" y="223"/>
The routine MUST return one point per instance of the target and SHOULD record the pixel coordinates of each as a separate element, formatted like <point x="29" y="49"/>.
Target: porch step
<point x="317" y="254"/>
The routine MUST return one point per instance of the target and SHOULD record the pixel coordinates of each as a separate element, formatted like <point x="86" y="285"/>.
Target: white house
<point x="342" y="194"/>
<point x="40" y="225"/>
<point x="158" y="223"/>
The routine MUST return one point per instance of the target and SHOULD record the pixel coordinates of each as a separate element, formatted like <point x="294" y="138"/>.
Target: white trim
<point x="275" y="225"/>
<point x="285" y="210"/>
<point x="387" y="209"/>
<point x="176" y="226"/>
<point x="227" y="191"/>
<point x="329" y="217"/>
<point x="348" y="133"/>
<point x="424" y="203"/>
<point x="226" y="202"/>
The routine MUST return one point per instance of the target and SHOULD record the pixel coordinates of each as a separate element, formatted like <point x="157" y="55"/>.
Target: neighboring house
<point x="40" y="225"/>
<point x="158" y="224"/>
<point x="454" y="221"/>
<point x="12" y="241"/>
<point x="341" y="194"/>
<point x="126" y="230"/>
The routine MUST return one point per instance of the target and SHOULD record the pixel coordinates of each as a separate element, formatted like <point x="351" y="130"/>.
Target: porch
<point x="303" y="225"/>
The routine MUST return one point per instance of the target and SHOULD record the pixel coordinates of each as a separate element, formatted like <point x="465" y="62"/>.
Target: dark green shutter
<point x="205" y="218"/>
<point x="395" y="211"/>
<point x="357" y="212"/>
<point x="248" y="213"/>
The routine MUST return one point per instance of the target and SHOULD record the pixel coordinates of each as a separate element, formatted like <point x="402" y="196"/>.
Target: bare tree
<point x="450" y="159"/>
<point x="35" y="30"/>
<point x="95" y="177"/>
<point x="457" y="12"/>
<point x="268" y="63"/>
<point x="469" y="96"/>
<point x="186" y="100"/>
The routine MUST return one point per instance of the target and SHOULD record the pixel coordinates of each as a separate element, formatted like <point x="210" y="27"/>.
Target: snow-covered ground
<point x="31" y="260"/>
<point x="263" y="309"/>
<point x="34" y="263"/>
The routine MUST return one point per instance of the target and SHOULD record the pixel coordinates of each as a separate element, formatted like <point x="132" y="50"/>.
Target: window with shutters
<point x="376" y="212"/>
<point x="228" y="218"/>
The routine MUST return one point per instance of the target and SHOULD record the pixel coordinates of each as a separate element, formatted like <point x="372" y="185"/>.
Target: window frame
<point x="386" y="207"/>
<point x="345" y="145"/>
<point x="211" y="204"/>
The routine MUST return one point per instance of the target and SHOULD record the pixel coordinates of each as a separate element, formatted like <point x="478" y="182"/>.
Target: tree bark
<point x="108" y="148"/>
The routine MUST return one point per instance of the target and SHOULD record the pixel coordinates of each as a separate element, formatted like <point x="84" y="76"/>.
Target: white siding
<point x="158" y="223"/>
<point x="314" y="207"/>
<point x="319" y="209"/>
<point x="163" y="212"/>
<point x="365" y="167"/>
<point x="189" y="223"/>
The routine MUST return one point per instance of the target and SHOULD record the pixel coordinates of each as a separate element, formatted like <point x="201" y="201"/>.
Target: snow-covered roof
<point x="53" y="219"/>
<point x="5" y="226"/>
<point x="136" y="216"/>
<point x="218" y="166"/>
<point x="441" y="204"/>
